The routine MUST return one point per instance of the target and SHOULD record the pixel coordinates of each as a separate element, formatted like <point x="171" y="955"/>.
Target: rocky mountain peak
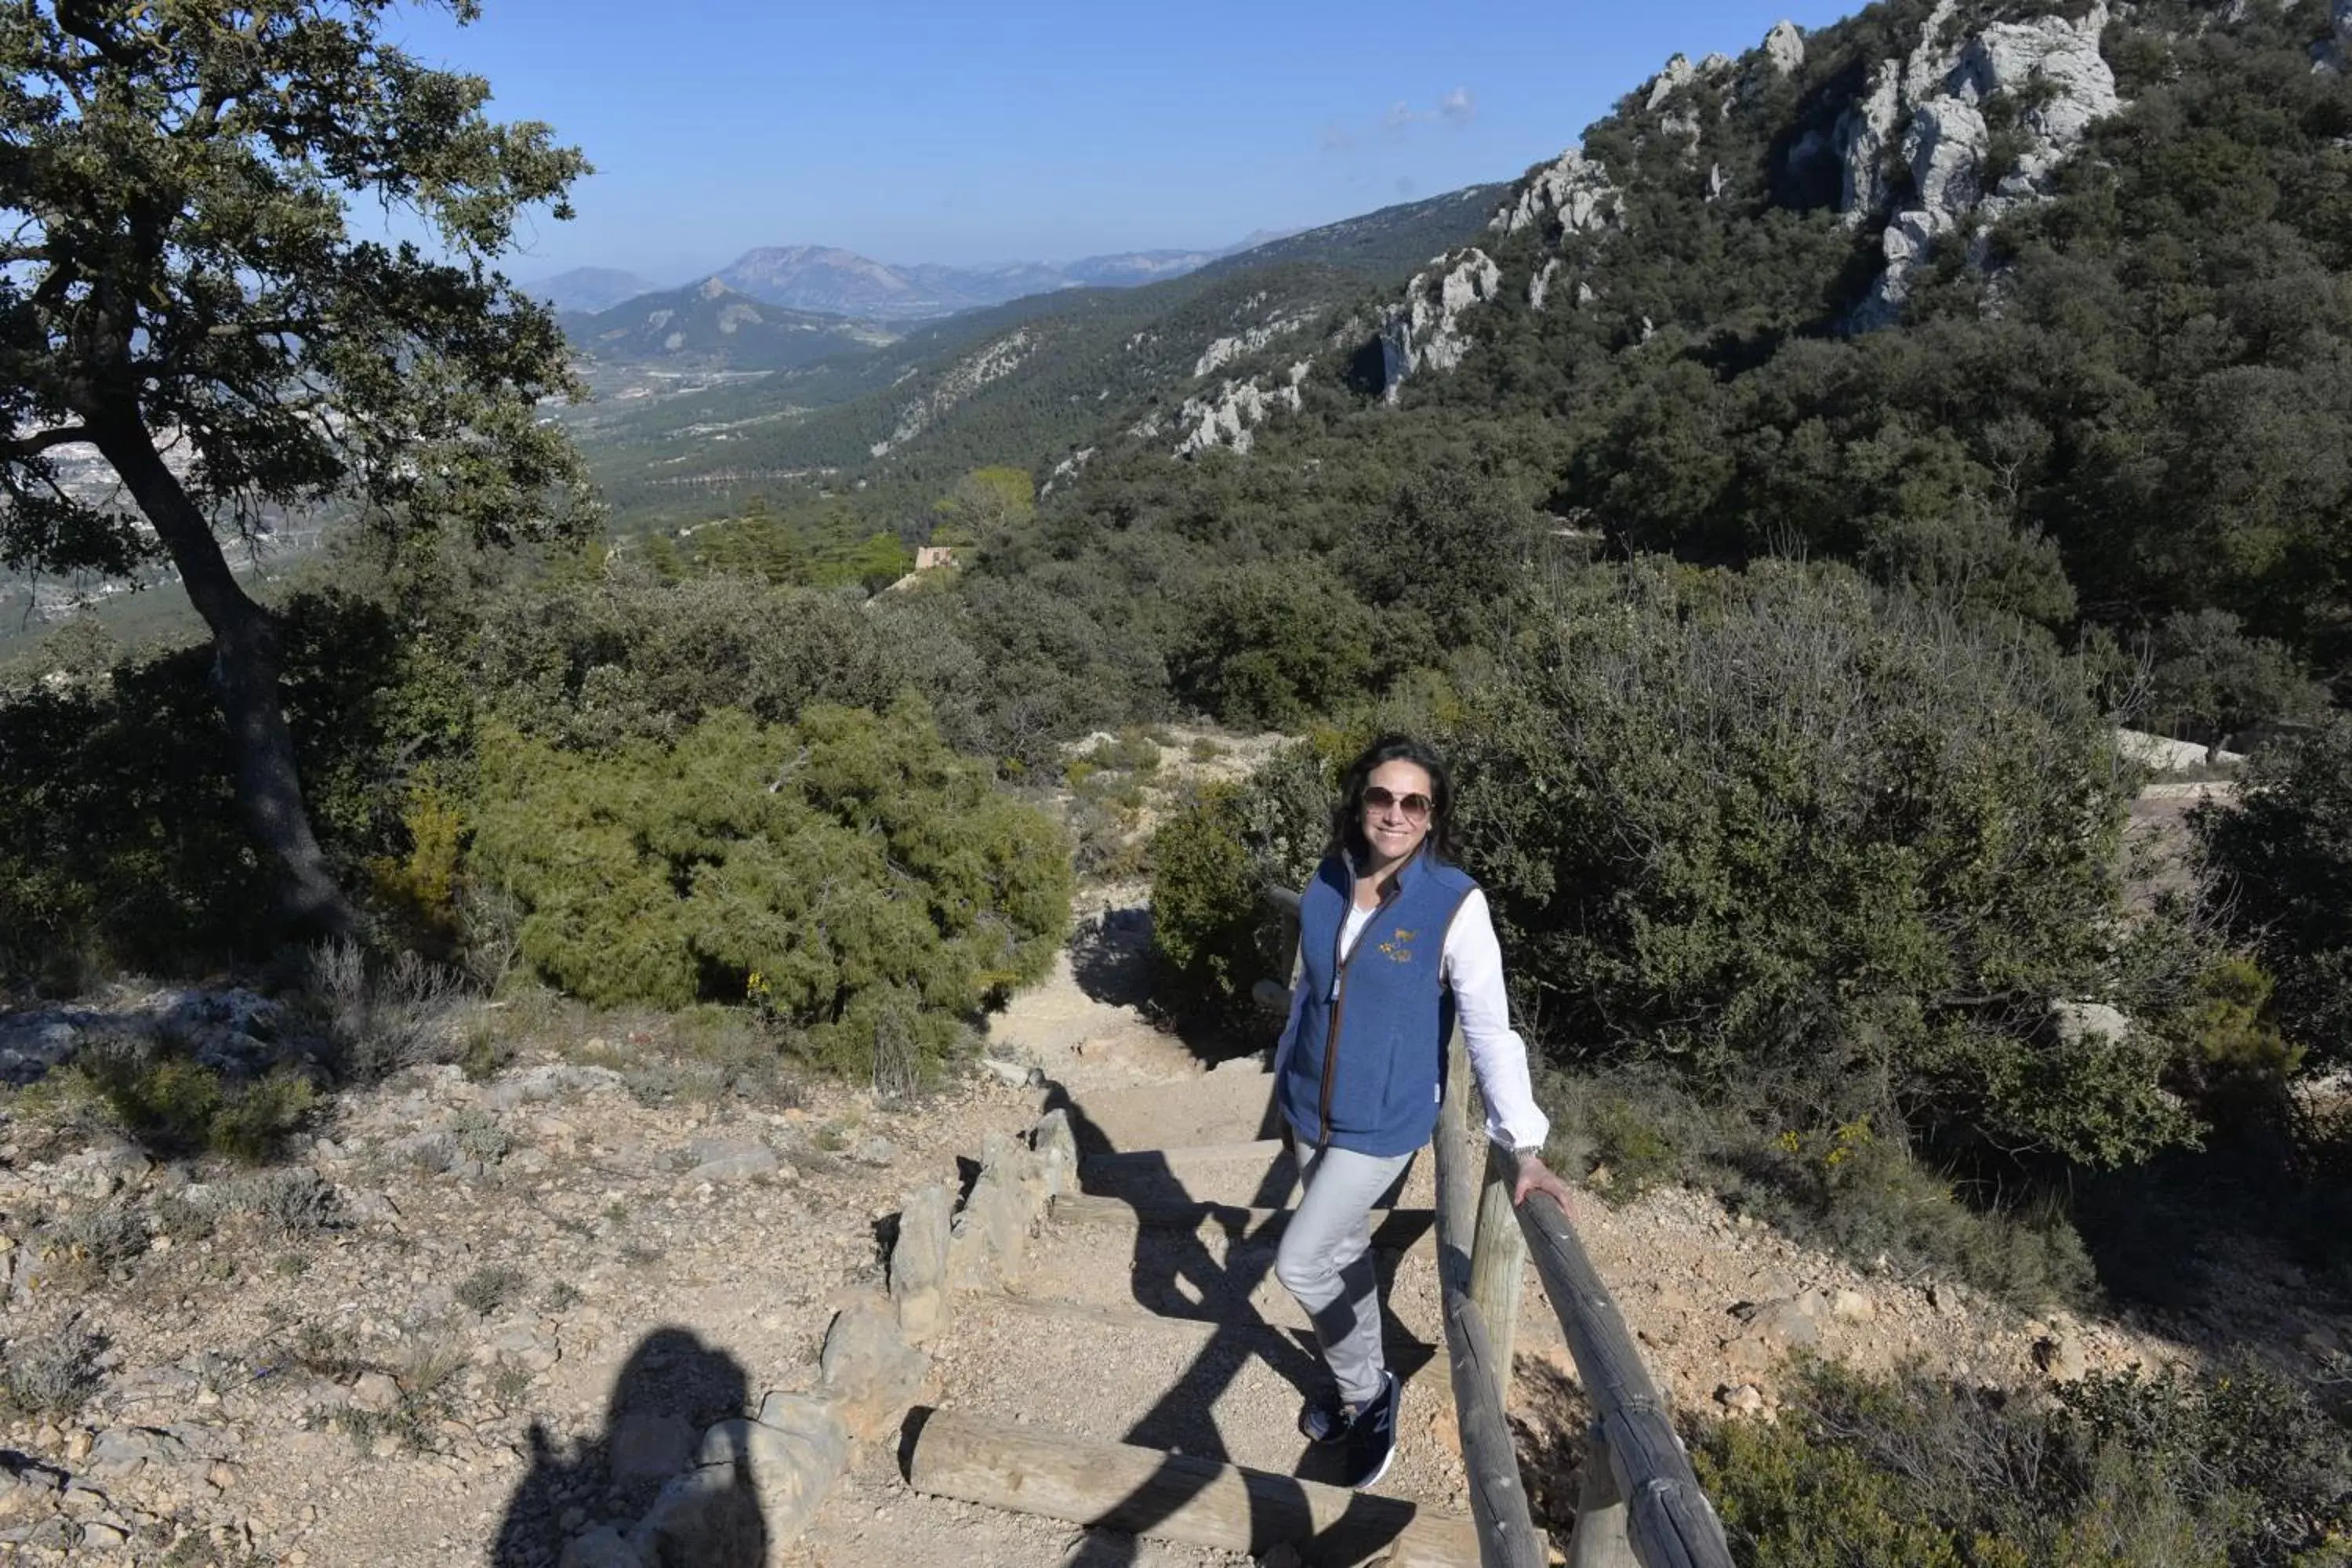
<point x="1914" y="152"/>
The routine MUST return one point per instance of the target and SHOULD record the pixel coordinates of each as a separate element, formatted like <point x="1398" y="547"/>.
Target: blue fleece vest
<point x="1363" y="1070"/>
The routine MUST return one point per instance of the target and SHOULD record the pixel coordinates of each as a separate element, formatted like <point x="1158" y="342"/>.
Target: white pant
<point x="1326" y="1260"/>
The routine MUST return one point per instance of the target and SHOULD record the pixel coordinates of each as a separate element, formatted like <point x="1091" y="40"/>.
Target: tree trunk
<point x="245" y="678"/>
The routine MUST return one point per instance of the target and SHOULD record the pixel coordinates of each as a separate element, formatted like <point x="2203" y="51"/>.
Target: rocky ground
<point x="484" y="1319"/>
<point x="474" y="1321"/>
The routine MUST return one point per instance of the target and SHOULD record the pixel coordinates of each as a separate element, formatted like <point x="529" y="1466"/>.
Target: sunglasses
<point x="1414" y="806"/>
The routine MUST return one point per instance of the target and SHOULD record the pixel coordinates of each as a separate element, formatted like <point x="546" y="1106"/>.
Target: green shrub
<point x="1780" y="832"/>
<point x="51" y="1373"/>
<point x="1781" y="836"/>
<point x="1130" y="751"/>
<point x="1211" y="861"/>
<point x="1273" y="645"/>
<point x="2206" y="679"/>
<point x="2234" y="1470"/>
<point x="1846" y="1187"/>
<point x="176" y="1105"/>
<point x="2282" y="851"/>
<point x="850" y="876"/>
<point x="491" y="1286"/>
<point x="628" y="658"/>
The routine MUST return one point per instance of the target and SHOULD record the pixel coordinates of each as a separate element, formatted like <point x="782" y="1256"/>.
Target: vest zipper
<point x="1339" y="963"/>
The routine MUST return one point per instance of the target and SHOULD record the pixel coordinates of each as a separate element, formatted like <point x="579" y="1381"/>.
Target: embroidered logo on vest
<point x="1399" y="947"/>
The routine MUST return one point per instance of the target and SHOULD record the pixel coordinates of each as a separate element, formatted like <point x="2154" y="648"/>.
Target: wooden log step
<point x="1175" y="1497"/>
<point x="1393" y="1229"/>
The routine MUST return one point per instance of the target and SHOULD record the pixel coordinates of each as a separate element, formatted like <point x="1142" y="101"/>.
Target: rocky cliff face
<point x="968" y="375"/>
<point x="1938" y="143"/>
<point x="2044" y="80"/>
<point x="1225" y="417"/>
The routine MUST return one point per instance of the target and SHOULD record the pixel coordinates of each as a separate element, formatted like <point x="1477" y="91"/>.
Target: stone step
<point x="1231" y="1105"/>
<point x="1258" y="1173"/>
<point x="1222" y="1391"/>
<point x="1393" y="1229"/>
<point x="1211" y="1274"/>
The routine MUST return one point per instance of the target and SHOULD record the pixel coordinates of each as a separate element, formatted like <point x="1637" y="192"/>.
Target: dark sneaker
<point x="1372" y="1437"/>
<point x="1324" y="1418"/>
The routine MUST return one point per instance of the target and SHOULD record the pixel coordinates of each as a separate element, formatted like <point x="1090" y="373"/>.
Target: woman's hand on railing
<point x="1535" y="1176"/>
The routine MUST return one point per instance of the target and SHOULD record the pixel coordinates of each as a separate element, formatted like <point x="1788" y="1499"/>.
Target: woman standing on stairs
<point x="1395" y="945"/>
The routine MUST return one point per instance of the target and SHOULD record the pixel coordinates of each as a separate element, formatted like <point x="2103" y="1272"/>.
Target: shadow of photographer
<point x="672" y="1388"/>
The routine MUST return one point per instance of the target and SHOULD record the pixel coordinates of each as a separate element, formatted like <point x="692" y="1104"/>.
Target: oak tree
<point x="182" y="289"/>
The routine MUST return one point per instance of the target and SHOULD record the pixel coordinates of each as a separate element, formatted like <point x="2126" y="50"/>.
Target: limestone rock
<point x="2076" y="1023"/>
<point x="728" y="1160"/>
<point x="125" y="1451"/>
<point x="1224" y="352"/>
<point x="1539" y="285"/>
<point x="753" y="1488"/>
<point x="1571" y="194"/>
<point x="868" y="1370"/>
<point x="703" y="1516"/>
<point x="1742" y="1399"/>
<point x="1015" y="1075"/>
<point x="1865" y="130"/>
<point x="2060" y="1354"/>
<point x="1784" y="46"/>
<point x="990" y="1234"/>
<point x="374" y="1393"/>
<point x="603" y="1547"/>
<point x="647" y="1446"/>
<point x="2051" y="63"/>
<point x="1227" y="417"/>
<point x="919" y="1262"/>
<point x="1426" y="330"/>
<point x="1677" y="74"/>
<point x="1056" y="1148"/>
<point x="1853" y="1307"/>
<point x="1945" y="147"/>
<point x="2061" y="59"/>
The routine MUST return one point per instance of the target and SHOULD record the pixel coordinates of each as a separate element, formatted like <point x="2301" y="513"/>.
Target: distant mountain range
<point x="711" y="325"/>
<point x="1033" y="382"/>
<point x="590" y="288"/>
<point x="839" y="282"/>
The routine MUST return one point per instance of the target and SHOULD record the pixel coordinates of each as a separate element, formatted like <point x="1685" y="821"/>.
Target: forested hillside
<point x="1029" y="383"/>
<point x="2111" y="399"/>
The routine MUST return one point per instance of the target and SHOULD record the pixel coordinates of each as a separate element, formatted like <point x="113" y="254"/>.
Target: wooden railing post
<point x="1498" y="1498"/>
<point x="1498" y="1258"/>
<point x="1667" y="1518"/>
<point x="1457" y="1196"/>
<point x="1599" y="1540"/>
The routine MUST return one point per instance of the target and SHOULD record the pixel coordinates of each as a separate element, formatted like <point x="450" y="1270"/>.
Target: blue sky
<point x="1026" y="130"/>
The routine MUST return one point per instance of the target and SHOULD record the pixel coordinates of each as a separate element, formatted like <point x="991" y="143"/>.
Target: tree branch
<point x="40" y="441"/>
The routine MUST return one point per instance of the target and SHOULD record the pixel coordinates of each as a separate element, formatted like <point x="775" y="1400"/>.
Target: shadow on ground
<point x="1176" y="1273"/>
<point x="671" y="1387"/>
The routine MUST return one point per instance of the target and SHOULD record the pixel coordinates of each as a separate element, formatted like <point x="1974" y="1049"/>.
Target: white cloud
<point x="1455" y="110"/>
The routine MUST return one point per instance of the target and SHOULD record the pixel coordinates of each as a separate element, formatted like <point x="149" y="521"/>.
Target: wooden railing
<point x="1640" y="1502"/>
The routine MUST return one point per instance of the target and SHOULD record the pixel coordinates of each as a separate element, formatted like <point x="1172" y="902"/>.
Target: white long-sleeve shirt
<point x="1472" y="966"/>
